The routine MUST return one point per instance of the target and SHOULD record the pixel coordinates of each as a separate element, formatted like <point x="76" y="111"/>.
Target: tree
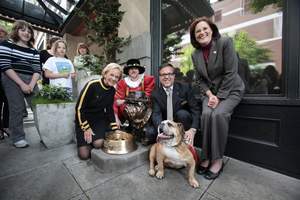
<point x="171" y="45"/>
<point x="102" y="18"/>
<point x="6" y="25"/>
<point x="259" y="5"/>
<point x="248" y="49"/>
<point x="186" y="59"/>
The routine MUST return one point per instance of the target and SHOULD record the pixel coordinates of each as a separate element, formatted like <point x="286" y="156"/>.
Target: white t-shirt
<point x="59" y="65"/>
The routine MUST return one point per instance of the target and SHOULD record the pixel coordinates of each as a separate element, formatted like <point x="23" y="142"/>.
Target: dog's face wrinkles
<point x="169" y="133"/>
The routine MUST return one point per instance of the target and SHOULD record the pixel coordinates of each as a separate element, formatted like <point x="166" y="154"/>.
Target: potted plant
<point x="54" y="113"/>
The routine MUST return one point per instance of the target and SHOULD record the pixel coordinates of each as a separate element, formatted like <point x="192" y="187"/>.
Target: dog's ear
<point x="180" y="128"/>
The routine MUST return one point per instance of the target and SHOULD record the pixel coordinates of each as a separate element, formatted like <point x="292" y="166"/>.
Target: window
<point x="257" y="39"/>
<point x="218" y="16"/>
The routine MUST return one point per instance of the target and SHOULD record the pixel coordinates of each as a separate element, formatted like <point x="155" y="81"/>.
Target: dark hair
<point x="21" y="24"/>
<point x="166" y="65"/>
<point x="82" y="45"/>
<point x="214" y="28"/>
<point x="51" y="41"/>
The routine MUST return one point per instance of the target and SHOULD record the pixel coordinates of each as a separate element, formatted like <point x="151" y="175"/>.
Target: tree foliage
<point x="6" y="25"/>
<point x="171" y="45"/>
<point x="186" y="59"/>
<point x="259" y="5"/>
<point x="102" y="18"/>
<point x="248" y="49"/>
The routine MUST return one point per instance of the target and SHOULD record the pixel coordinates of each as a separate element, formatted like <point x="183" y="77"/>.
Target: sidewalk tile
<point x="47" y="182"/>
<point x="137" y="184"/>
<point x="241" y="180"/>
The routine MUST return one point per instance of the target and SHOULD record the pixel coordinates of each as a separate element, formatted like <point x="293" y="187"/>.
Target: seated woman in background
<point x="94" y="110"/>
<point x="59" y="69"/>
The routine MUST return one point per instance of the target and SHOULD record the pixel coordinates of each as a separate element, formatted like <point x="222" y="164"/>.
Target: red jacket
<point x="122" y="90"/>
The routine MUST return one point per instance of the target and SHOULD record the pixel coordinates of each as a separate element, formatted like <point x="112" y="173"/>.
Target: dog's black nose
<point x="161" y="128"/>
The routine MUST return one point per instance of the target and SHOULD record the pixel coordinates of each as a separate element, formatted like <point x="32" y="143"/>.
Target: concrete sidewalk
<point x="36" y="173"/>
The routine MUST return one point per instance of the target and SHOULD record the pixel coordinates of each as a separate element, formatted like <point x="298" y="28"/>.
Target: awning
<point x="178" y="14"/>
<point x="47" y="15"/>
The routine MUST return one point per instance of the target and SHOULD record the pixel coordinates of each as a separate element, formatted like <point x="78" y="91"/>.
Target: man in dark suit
<point x="184" y="107"/>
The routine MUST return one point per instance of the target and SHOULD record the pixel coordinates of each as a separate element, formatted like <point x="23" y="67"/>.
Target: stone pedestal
<point x="55" y="123"/>
<point x="120" y="163"/>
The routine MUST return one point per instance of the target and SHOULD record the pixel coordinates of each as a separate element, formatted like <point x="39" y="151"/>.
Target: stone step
<point x="120" y="163"/>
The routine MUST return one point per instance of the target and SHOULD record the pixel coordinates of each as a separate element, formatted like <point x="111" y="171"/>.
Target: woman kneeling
<point x="94" y="111"/>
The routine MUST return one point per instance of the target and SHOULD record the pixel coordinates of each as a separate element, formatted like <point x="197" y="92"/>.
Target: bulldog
<point x="171" y="151"/>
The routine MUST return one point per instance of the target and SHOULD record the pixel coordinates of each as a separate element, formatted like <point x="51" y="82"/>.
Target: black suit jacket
<point x="183" y="98"/>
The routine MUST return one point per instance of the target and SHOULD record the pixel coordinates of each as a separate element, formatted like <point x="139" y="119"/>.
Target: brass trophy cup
<point x="119" y="142"/>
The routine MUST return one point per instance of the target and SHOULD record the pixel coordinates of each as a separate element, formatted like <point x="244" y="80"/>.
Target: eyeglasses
<point x="167" y="75"/>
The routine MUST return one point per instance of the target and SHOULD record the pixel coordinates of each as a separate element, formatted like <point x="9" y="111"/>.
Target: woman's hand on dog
<point x="189" y="136"/>
<point x="88" y="134"/>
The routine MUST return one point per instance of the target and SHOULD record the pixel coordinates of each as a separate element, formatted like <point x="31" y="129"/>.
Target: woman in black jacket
<point x="94" y="110"/>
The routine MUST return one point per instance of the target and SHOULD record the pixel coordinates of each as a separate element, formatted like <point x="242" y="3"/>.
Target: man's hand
<point x="88" y="135"/>
<point x="189" y="136"/>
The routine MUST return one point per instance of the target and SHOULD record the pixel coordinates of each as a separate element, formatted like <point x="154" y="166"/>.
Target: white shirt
<point x="58" y="65"/>
<point x="168" y="87"/>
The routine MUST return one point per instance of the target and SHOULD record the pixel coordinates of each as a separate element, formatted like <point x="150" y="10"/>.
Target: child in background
<point x="59" y="69"/>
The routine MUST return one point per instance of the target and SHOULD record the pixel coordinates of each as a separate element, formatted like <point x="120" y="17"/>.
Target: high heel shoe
<point x="211" y="175"/>
<point x="201" y="170"/>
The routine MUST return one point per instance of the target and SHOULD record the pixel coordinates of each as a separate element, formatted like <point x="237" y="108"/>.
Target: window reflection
<point x="257" y="37"/>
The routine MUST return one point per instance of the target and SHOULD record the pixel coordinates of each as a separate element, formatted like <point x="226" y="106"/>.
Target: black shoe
<point x="211" y="175"/>
<point x="201" y="170"/>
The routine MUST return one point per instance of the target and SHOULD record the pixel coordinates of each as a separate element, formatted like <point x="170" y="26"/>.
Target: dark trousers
<point x="15" y="97"/>
<point x="4" y="112"/>
<point x="184" y="117"/>
<point x="215" y="126"/>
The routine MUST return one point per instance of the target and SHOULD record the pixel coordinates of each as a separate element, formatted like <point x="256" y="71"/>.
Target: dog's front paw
<point x="151" y="172"/>
<point x="160" y="175"/>
<point x="194" y="183"/>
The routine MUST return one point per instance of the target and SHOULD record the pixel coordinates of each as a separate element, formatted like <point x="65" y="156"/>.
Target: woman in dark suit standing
<point x="216" y="65"/>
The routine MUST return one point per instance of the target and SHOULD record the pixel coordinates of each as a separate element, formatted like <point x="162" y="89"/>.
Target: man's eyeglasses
<point x="167" y="75"/>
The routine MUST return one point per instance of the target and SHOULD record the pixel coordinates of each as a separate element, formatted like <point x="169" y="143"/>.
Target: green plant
<point x="90" y="63"/>
<point x="52" y="94"/>
<point x="6" y="25"/>
<point x="172" y="45"/>
<point x="259" y="5"/>
<point x="186" y="59"/>
<point x="102" y="18"/>
<point x="248" y="49"/>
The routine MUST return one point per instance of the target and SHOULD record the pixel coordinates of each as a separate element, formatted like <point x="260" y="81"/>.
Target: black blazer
<point x="183" y="98"/>
<point x="221" y="73"/>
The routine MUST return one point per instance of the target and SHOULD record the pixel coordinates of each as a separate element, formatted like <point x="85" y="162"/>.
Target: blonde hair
<point x="112" y="66"/>
<point x="55" y="45"/>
